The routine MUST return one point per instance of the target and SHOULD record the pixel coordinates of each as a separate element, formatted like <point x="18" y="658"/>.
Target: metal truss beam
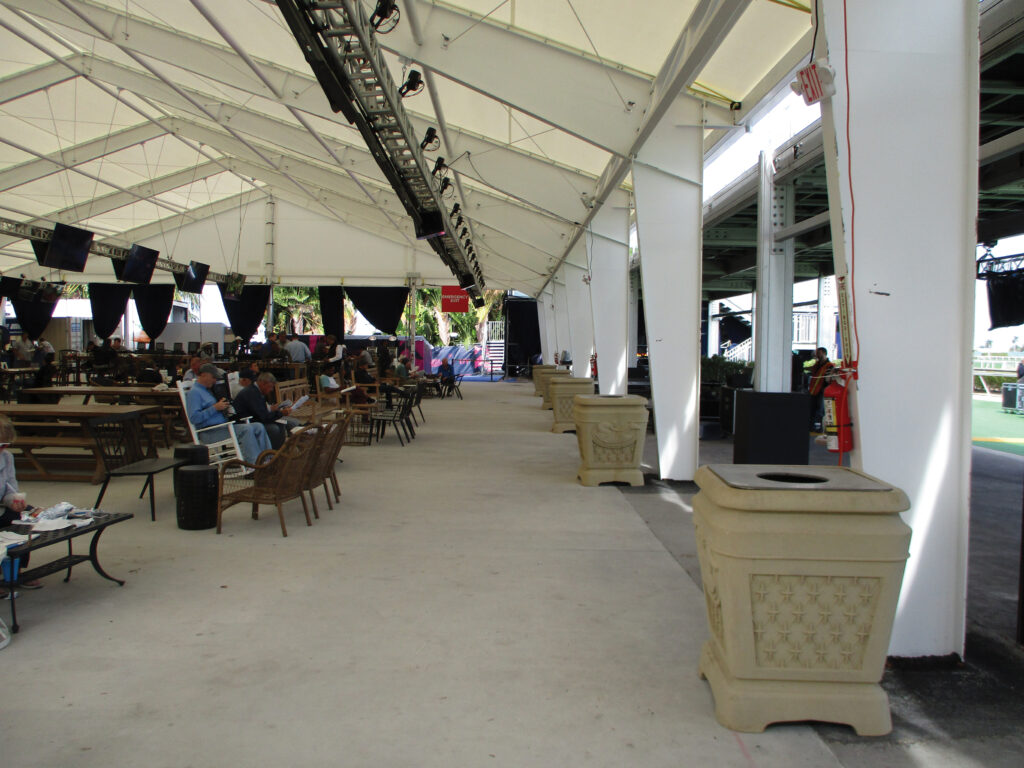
<point x="111" y="202"/>
<point x="32" y="80"/>
<point x="32" y="170"/>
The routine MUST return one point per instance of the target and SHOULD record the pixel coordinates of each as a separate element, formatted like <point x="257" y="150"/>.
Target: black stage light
<point x="455" y="210"/>
<point x="385" y="16"/>
<point x="458" y="222"/>
<point x="430" y="141"/>
<point x="413" y="84"/>
<point x="438" y="166"/>
<point x="464" y="233"/>
<point x="445" y="183"/>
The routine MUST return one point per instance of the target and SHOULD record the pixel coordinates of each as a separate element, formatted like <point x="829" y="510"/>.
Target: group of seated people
<point x="209" y="404"/>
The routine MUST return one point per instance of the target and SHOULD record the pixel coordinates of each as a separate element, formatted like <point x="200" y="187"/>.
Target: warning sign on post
<point x="454" y="299"/>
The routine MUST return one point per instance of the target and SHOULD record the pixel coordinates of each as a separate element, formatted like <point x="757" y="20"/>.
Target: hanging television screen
<point x="40" y="247"/>
<point x="138" y="267"/>
<point x="192" y="279"/>
<point x="69" y="248"/>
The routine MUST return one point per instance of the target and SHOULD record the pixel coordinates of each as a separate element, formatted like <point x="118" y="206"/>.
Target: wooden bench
<point x="293" y="389"/>
<point x="33" y="468"/>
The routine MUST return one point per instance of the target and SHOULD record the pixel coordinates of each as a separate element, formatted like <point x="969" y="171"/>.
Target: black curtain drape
<point x="1006" y="299"/>
<point x="108" y="302"/>
<point x="382" y="307"/>
<point x="522" y="331"/>
<point x="33" y="316"/>
<point x="246" y="313"/>
<point x="153" y="303"/>
<point x="332" y="310"/>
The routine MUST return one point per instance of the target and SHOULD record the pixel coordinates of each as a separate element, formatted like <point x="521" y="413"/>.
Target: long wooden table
<point x="61" y="428"/>
<point x="171" y="415"/>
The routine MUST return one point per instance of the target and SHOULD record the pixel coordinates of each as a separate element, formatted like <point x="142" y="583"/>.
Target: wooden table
<point x="171" y="414"/>
<point x="101" y="521"/>
<point x="61" y="427"/>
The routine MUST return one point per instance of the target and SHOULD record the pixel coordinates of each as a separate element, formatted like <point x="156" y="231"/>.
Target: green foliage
<point x="297" y="309"/>
<point x="716" y="369"/>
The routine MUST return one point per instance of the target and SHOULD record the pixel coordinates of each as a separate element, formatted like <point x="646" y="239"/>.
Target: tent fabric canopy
<point x="246" y="312"/>
<point x="382" y="307"/>
<point x="98" y="138"/>
<point x="108" y="302"/>
<point x="153" y="303"/>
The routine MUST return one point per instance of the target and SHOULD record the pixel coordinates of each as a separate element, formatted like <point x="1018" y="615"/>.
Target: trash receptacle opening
<point x="791" y="477"/>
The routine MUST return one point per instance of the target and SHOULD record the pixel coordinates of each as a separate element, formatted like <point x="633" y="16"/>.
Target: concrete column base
<point x="752" y="705"/>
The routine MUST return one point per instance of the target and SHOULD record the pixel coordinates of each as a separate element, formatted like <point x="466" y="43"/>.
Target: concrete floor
<point x="467" y="604"/>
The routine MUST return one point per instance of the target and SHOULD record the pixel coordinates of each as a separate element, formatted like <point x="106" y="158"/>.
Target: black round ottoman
<point x="191" y="454"/>
<point x="197" y="497"/>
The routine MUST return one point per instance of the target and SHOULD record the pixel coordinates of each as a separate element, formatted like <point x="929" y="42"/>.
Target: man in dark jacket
<point x="252" y="402"/>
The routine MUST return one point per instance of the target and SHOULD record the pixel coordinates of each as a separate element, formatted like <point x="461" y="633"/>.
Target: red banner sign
<point x="454" y="299"/>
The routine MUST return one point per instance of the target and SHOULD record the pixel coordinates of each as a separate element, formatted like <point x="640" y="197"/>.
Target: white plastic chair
<point x="221" y="451"/>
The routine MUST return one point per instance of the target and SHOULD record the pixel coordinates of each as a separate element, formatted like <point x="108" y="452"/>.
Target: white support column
<point x="914" y="170"/>
<point x="632" y="318"/>
<point x="773" y="303"/>
<point x="668" y="215"/>
<point x="563" y="337"/>
<point x="546" y="325"/>
<point x="581" y="324"/>
<point x="608" y="251"/>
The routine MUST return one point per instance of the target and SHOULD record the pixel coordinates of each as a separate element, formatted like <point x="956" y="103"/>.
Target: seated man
<point x="204" y="410"/>
<point x="328" y="384"/>
<point x="252" y="402"/>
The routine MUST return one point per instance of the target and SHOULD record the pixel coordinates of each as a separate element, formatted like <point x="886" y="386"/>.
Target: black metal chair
<point x="118" y="439"/>
<point x="398" y="415"/>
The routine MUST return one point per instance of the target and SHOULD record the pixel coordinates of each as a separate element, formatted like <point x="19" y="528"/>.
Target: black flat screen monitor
<point x="193" y="279"/>
<point x="40" y="247"/>
<point x="138" y="267"/>
<point x="69" y="248"/>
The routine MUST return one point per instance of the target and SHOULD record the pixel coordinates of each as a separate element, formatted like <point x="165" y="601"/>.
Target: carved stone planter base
<point x="546" y="386"/>
<point x="752" y="705"/>
<point x="563" y="392"/>
<point x="610" y="432"/>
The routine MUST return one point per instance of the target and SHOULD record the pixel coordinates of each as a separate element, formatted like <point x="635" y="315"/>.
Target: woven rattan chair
<point x="276" y="478"/>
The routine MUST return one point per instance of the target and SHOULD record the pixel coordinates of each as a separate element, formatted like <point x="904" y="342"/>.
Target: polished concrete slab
<point x="468" y="603"/>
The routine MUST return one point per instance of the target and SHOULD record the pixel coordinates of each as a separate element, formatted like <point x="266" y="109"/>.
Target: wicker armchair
<point x="277" y="477"/>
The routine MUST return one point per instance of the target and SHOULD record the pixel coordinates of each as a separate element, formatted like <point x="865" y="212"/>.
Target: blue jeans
<point x="252" y="439"/>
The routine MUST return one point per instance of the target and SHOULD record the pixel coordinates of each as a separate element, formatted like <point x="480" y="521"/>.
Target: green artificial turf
<point x="992" y="428"/>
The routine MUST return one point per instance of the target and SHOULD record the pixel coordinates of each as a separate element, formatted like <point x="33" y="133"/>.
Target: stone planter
<point x="610" y="430"/>
<point x="540" y="373"/>
<point x="802" y="568"/>
<point x="546" y="386"/>
<point x="563" y="390"/>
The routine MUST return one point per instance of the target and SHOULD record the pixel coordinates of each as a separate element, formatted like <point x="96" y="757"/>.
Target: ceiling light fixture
<point x="430" y="141"/>
<point x="413" y="84"/>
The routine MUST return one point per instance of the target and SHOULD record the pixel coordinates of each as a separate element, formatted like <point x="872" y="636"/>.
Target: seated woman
<point x="12" y="502"/>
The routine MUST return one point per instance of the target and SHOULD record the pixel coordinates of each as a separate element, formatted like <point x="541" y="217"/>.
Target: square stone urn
<point x="802" y="568"/>
<point x="610" y="431"/>
<point x="545" y="386"/>
<point x="563" y="391"/>
<point x="539" y="373"/>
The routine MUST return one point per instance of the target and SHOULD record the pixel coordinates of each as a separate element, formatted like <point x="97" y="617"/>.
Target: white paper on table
<point x="51" y="525"/>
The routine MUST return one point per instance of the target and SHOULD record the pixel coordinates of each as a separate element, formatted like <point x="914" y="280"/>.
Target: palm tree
<point x="297" y="309"/>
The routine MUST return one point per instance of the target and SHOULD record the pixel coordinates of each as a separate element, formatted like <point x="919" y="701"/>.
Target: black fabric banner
<point x="153" y="303"/>
<point x="1005" y="299"/>
<point x="332" y="310"/>
<point x="522" y="334"/>
<point x="246" y="312"/>
<point x="382" y="307"/>
<point x="108" y="302"/>
<point x="33" y="316"/>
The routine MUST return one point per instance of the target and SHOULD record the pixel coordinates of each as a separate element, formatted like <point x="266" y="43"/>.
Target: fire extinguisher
<point x="837" y="423"/>
<point x="593" y="365"/>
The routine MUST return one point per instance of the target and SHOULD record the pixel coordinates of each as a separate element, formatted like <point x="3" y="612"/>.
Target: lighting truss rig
<point x="339" y="43"/>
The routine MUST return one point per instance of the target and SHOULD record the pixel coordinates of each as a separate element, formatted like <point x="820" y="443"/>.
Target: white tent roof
<point x="172" y="123"/>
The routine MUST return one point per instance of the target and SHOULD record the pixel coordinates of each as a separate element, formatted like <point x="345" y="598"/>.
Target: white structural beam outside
<point x="773" y="302"/>
<point x="581" y="327"/>
<point x="560" y="304"/>
<point x="546" y="326"/>
<point x="668" y="217"/>
<point x="608" y="249"/>
<point x="919" y="442"/>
